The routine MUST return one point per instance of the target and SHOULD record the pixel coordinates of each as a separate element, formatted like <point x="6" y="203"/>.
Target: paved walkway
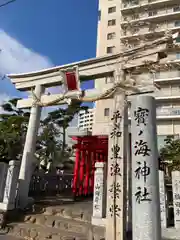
<point x="13" y="238"/>
<point x="9" y="238"/>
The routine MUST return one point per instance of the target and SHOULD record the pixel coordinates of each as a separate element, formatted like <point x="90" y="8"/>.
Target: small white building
<point x="86" y="119"/>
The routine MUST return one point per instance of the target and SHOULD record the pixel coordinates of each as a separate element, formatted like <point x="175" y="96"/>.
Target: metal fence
<point x="50" y="185"/>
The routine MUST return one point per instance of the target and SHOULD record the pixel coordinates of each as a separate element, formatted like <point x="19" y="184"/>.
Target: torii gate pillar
<point x="29" y="150"/>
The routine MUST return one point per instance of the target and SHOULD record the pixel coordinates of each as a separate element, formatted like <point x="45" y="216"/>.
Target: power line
<point x="6" y="3"/>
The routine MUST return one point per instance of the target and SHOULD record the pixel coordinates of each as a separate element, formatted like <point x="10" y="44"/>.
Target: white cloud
<point x="3" y="98"/>
<point x="74" y="122"/>
<point x="16" y="58"/>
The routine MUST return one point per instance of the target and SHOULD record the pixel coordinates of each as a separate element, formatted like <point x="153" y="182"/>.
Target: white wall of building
<point x="149" y="20"/>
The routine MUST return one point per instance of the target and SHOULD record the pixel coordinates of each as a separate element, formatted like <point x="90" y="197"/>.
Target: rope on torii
<point x="105" y="95"/>
<point x="129" y="86"/>
<point x="126" y="85"/>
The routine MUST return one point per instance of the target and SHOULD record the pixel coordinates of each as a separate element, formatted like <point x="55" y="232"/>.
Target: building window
<point x="111" y="35"/>
<point x="109" y="79"/>
<point x="99" y="15"/>
<point x="178" y="40"/>
<point x="110" y="49"/>
<point x="124" y="32"/>
<point x="176" y="9"/>
<point x="106" y="112"/>
<point x="134" y="2"/>
<point x="112" y="22"/>
<point x="177" y="23"/>
<point x="135" y="30"/>
<point x="135" y="16"/>
<point x="155" y="75"/>
<point x="111" y="9"/>
<point x="152" y="27"/>
<point x="135" y="44"/>
<point x="125" y="18"/>
<point x="177" y="55"/>
<point x="130" y="2"/>
<point x="152" y="13"/>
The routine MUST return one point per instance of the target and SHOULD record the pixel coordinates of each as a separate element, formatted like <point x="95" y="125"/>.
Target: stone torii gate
<point x="121" y="66"/>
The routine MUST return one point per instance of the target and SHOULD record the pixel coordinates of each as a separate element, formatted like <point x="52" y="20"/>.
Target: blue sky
<point x="36" y="34"/>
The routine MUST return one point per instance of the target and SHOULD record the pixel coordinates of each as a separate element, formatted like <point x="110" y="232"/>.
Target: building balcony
<point x="159" y="32"/>
<point x="165" y="81"/>
<point x="165" y="114"/>
<point x="128" y="8"/>
<point x="153" y="19"/>
<point x="168" y="113"/>
<point x="165" y="98"/>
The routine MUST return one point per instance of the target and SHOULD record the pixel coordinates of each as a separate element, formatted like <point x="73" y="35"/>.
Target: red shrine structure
<point x="89" y="150"/>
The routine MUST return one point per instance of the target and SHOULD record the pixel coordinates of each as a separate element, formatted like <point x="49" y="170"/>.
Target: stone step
<point x="63" y="224"/>
<point x="70" y="213"/>
<point x="56" y="220"/>
<point x="68" y="209"/>
<point x="56" y="224"/>
<point x="31" y="231"/>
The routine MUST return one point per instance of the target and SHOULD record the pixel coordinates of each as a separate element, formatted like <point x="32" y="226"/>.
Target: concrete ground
<point x="9" y="238"/>
<point x="13" y="238"/>
<point x="86" y="206"/>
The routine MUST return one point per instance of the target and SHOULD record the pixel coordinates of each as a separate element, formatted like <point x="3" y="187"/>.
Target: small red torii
<point x="89" y="150"/>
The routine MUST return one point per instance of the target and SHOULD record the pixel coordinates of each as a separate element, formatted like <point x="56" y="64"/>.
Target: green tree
<point x="171" y="153"/>
<point x="48" y="143"/>
<point x="62" y="118"/>
<point x="13" y="127"/>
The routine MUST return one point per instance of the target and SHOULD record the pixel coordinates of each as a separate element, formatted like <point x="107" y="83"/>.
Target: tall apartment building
<point x="85" y="119"/>
<point x="124" y="24"/>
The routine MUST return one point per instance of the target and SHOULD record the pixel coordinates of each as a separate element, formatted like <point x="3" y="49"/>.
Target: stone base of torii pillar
<point x="10" y="188"/>
<point x="99" y="199"/>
